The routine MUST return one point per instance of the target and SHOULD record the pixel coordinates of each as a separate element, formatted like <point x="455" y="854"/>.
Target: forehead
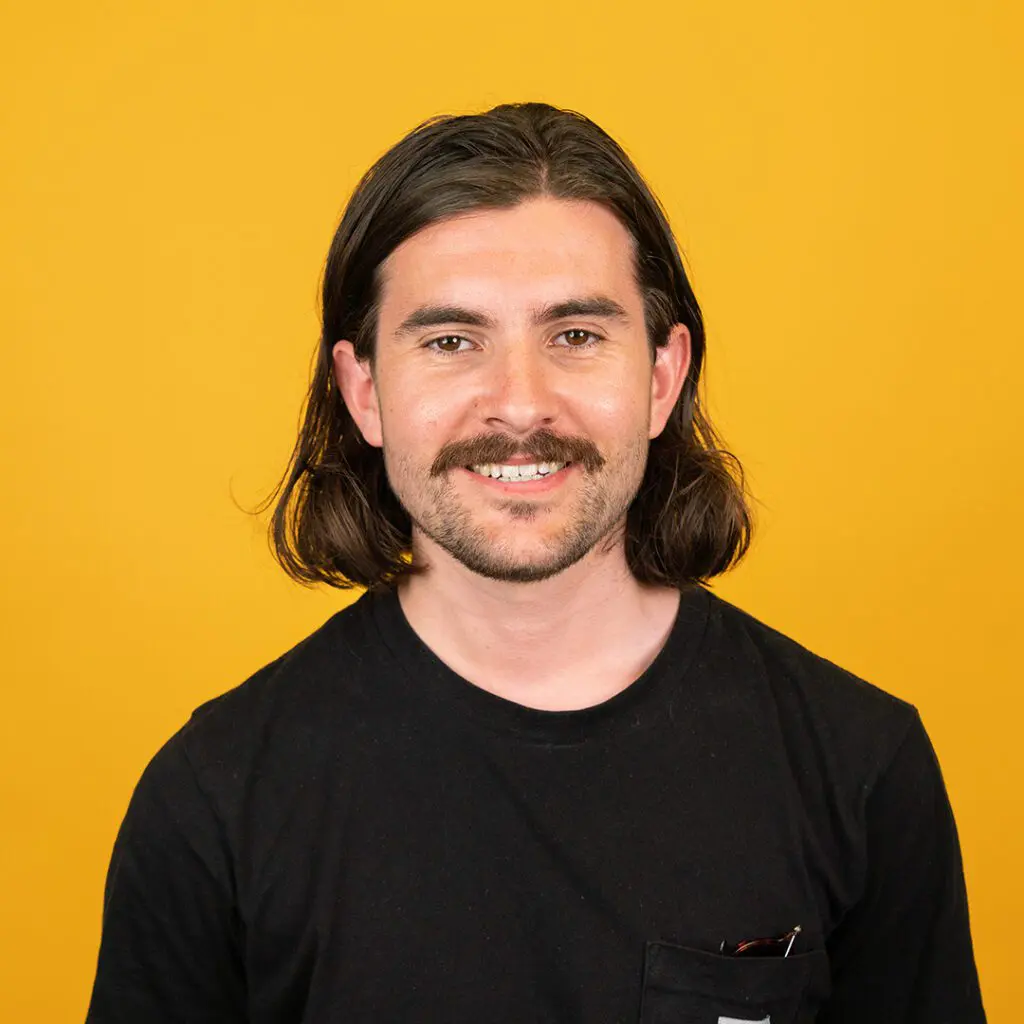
<point x="538" y="251"/>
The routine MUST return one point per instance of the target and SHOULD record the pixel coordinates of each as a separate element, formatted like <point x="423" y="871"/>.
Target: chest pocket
<point x="690" y="986"/>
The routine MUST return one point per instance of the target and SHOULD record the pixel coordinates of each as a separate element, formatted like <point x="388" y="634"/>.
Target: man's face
<point x="513" y="390"/>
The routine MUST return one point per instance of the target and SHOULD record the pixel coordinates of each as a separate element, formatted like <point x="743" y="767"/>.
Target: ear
<point x="354" y="378"/>
<point x="671" y="365"/>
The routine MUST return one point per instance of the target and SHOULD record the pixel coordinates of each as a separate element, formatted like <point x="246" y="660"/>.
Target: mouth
<point x="515" y="474"/>
<point x="529" y="480"/>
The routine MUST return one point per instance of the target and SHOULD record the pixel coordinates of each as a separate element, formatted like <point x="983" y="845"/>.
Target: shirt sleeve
<point x="170" y="950"/>
<point x="903" y="954"/>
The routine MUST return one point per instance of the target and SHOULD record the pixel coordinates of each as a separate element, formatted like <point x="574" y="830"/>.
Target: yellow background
<point x="846" y="182"/>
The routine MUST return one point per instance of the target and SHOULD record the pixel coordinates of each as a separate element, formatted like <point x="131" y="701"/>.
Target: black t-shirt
<point x="358" y="834"/>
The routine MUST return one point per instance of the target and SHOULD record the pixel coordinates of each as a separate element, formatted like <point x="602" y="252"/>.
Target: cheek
<point x="414" y="422"/>
<point x="619" y="409"/>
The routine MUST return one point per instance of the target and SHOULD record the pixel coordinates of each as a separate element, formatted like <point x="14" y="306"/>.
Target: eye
<point x="577" y="337"/>
<point x="448" y="344"/>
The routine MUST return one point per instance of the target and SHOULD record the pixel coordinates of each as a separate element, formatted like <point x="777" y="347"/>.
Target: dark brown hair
<point x="337" y="520"/>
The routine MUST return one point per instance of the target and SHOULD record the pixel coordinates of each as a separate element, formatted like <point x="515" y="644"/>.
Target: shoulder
<point x="296" y="710"/>
<point x="300" y="730"/>
<point x="825" y="710"/>
<point x="326" y="656"/>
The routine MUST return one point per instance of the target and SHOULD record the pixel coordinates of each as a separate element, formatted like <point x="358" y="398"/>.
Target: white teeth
<point x="514" y="474"/>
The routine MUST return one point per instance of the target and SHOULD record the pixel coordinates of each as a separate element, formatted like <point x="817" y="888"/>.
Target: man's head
<point x="503" y="289"/>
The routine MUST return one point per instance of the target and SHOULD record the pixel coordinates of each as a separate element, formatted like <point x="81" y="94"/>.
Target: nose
<point x="519" y="397"/>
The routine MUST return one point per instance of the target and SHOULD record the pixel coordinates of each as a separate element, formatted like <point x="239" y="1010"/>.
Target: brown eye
<point x="577" y="337"/>
<point x="448" y="345"/>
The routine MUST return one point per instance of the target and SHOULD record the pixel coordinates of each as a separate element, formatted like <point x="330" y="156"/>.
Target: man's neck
<point x="567" y="642"/>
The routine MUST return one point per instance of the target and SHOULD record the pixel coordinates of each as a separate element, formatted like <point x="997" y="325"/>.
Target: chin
<point x="522" y="572"/>
<point x="524" y="564"/>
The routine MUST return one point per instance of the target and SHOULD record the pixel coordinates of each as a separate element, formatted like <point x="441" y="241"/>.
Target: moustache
<point x="541" y="446"/>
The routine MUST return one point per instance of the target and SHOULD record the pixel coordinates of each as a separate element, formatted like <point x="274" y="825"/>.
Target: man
<point x="538" y="772"/>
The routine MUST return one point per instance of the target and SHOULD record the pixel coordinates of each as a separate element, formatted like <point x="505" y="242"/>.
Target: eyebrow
<point x="434" y="316"/>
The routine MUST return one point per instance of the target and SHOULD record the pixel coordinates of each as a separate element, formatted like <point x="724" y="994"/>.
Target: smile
<point x="518" y="474"/>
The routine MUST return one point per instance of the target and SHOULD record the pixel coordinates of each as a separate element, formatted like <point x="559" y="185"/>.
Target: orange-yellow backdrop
<point x="845" y="179"/>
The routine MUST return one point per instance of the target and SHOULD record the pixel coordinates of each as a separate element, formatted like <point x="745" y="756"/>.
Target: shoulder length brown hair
<point x="336" y="519"/>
